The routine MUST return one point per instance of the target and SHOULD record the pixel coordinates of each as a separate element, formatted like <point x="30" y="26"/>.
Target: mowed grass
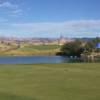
<point x="77" y="81"/>
<point x="41" y="47"/>
<point x="36" y="50"/>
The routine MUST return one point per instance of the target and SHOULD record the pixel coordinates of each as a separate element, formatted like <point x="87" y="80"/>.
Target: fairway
<point x="26" y="49"/>
<point x="77" y="81"/>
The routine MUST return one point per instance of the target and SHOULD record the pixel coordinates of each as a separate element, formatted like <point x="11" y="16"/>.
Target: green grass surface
<point x="41" y="47"/>
<point x="43" y="50"/>
<point x="77" y="81"/>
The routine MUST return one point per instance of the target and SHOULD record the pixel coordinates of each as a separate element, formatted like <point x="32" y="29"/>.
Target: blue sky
<point x="50" y="18"/>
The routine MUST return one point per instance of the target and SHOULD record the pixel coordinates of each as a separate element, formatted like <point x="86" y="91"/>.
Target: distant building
<point x="61" y="40"/>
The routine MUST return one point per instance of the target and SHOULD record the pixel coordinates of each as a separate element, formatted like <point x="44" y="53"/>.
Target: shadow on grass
<point x="7" y="96"/>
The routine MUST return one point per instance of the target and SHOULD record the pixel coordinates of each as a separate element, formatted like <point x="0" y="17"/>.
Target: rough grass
<point x="77" y="81"/>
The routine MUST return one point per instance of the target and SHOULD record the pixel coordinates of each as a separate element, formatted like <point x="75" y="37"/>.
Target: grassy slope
<point x="50" y="82"/>
<point x="35" y="50"/>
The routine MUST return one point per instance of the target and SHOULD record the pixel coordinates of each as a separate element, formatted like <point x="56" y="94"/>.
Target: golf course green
<point x="71" y="81"/>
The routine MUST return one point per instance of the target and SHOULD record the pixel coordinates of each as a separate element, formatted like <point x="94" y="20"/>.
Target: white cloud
<point x="69" y="28"/>
<point x="59" y="26"/>
<point x="8" y="5"/>
<point x="17" y="12"/>
<point x="11" y="9"/>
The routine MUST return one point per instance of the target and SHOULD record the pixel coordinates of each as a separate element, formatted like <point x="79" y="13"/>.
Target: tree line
<point x="78" y="47"/>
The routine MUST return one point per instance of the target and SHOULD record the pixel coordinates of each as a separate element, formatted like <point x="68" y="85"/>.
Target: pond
<point x="32" y="59"/>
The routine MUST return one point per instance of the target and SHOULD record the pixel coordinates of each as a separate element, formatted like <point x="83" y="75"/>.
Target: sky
<point x="50" y="18"/>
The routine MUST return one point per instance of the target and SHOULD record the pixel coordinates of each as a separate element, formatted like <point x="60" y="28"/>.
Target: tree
<point x="72" y="49"/>
<point x="91" y="45"/>
<point x="79" y="47"/>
